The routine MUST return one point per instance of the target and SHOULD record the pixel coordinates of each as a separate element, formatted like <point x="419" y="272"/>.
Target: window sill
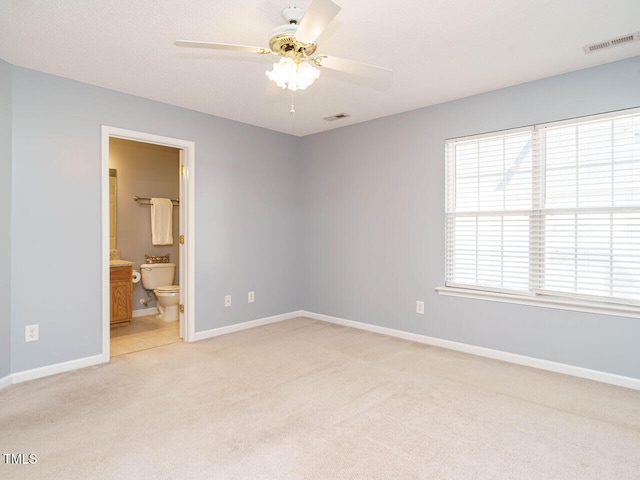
<point x="544" y="301"/>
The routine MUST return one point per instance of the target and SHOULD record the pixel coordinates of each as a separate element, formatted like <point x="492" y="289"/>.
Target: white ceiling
<point x="439" y="50"/>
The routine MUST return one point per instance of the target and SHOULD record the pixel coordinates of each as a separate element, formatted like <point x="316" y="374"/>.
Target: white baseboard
<point x="604" y="377"/>
<point x="5" y="382"/>
<point x="214" y="332"/>
<point x="56" y="368"/>
<point x="144" y="311"/>
<point x="556" y="367"/>
<point x="98" y="359"/>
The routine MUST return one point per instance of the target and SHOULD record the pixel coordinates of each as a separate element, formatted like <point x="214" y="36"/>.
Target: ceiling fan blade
<point x="221" y="46"/>
<point x="315" y="20"/>
<point x="379" y="74"/>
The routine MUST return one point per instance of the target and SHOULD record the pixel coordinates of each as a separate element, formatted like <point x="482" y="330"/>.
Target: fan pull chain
<point x="292" y="116"/>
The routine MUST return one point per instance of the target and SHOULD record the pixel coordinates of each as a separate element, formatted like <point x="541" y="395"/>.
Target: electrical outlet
<point x="227" y="300"/>
<point x="31" y="333"/>
<point x="420" y="307"/>
<point x="251" y="297"/>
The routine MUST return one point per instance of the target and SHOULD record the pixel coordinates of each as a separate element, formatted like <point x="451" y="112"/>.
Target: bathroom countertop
<point x="120" y="263"/>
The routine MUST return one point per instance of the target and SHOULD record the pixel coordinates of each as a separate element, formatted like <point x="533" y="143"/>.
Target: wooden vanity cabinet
<point x="121" y="295"/>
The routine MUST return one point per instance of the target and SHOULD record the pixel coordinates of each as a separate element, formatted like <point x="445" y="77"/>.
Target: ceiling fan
<point x="295" y="43"/>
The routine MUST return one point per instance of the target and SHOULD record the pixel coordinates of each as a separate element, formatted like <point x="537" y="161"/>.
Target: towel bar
<point x="138" y="199"/>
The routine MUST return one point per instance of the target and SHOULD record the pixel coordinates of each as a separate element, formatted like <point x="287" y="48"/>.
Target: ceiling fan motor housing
<point x="283" y="40"/>
<point x="285" y="44"/>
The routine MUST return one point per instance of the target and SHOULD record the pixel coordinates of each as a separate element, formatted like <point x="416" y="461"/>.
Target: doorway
<point x="182" y="254"/>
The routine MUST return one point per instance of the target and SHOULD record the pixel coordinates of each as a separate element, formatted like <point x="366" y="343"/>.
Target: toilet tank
<point x="156" y="275"/>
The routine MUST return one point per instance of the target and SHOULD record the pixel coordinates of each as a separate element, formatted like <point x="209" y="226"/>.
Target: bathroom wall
<point x="5" y="218"/>
<point x="144" y="170"/>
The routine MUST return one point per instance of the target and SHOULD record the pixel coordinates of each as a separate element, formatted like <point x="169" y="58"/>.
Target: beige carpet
<point x="303" y="399"/>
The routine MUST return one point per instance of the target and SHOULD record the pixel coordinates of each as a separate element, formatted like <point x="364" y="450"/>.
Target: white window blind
<point x="549" y="210"/>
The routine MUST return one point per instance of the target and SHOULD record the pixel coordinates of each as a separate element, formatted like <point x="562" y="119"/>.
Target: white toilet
<point x="159" y="278"/>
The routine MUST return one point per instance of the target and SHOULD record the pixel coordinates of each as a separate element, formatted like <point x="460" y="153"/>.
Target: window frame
<point x="535" y="295"/>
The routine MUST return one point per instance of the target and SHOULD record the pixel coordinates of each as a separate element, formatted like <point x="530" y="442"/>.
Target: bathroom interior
<point x="144" y="192"/>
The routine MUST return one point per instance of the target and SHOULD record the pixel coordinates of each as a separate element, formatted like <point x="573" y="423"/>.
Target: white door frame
<point x="187" y="228"/>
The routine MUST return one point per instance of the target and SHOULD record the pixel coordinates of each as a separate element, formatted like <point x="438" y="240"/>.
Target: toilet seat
<point x="169" y="289"/>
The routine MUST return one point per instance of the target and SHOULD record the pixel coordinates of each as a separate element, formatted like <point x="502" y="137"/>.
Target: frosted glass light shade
<point x="294" y="76"/>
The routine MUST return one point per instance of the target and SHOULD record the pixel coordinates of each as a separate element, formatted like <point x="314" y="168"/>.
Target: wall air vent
<point x="614" y="42"/>
<point x="338" y="116"/>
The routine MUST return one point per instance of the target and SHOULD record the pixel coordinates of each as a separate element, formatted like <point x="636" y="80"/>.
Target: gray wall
<point x="346" y="223"/>
<point x="5" y="219"/>
<point x="144" y="170"/>
<point x="373" y="235"/>
<point x="246" y="213"/>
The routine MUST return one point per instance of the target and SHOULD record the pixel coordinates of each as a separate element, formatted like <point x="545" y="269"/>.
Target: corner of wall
<point x="6" y="158"/>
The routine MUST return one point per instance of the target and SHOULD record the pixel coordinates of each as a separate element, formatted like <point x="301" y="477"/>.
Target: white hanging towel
<point x="161" y="221"/>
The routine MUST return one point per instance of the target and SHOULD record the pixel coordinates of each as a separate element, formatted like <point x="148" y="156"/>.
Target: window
<point x="549" y="211"/>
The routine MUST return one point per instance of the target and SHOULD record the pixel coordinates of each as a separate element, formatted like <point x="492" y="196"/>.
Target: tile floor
<point x="143" y="333"/>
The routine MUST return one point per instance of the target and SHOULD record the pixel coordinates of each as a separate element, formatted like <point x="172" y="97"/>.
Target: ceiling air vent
<point x="338" y="116"/>
<point x="632" y="37"/>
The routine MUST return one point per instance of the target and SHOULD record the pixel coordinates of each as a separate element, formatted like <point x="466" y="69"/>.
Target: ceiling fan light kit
<point x="292" y="71"/>
<point x="288" y="73"/>
<point x="295" y="42"/>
